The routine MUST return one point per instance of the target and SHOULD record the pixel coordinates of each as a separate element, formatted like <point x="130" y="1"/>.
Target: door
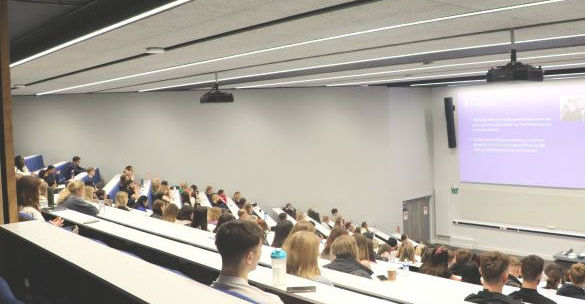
<point x="416" y="218"/>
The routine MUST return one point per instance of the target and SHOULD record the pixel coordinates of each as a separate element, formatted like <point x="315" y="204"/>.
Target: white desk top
<point x="145" y="187"/>
<point x="288" y="217"/>
<point x="176" y="198"/>
<point x="321" y="228"/>
<point x="126" y="272"/>
<point x="204" y="200"/>
<point x="262" y="276"/>
<point x="233" y="208"/>
<point x="80" y="176"/>
<point x="112" y="183"/>
<point x="270" y="222"/>
<point x="56" y="165"/>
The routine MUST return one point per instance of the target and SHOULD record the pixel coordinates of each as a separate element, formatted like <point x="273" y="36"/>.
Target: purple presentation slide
<point x="522" y="135"/>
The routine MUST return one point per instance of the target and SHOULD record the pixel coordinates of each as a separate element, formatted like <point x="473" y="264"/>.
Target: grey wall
<point x="363" y="150"/>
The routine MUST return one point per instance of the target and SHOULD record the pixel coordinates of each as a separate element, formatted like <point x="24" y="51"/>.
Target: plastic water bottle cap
<point x="278" y="254"/>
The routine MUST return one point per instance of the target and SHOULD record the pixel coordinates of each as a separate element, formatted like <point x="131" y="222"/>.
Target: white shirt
<point x="241" y="286"/>
<point x="32" y="212"/>
<point x="24" y="171"/>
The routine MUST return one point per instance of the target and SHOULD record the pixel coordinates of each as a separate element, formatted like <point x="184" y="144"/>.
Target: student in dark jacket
<point x="75" y="165"/>
<point x="462" y="256"/>
<point x="514" y="273"/>
<point x="344" y="252"/>
<point x="494" y="268"/>
<point x="532" y="267"/>
<point x="75" y="201"/>
<point x="158" y="209"/>
<point x="574" y="289"/>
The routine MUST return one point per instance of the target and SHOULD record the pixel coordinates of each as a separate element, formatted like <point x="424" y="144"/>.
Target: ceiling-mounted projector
<point x="514" y="71"/>
<point x="216" y="96"/>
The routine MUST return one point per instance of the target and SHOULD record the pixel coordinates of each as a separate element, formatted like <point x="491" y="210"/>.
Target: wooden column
<point x="9" y="210"/>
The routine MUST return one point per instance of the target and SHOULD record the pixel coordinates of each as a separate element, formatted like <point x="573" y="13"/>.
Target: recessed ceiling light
<point x="290" y="45"/>
<point x="101" y="31"/>
<point x="155" y="50"/>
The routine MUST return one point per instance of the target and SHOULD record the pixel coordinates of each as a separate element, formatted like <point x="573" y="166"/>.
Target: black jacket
<point x="570" y="290"/>
<point x="513" y="281"/>
<point x="79" y="205"/>
<point x="487" y="297"/>
<point x="350" y="266"/>
<point x="528" y="295"/>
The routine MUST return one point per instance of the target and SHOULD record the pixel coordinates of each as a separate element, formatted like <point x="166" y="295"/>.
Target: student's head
<point x="214" y="198"/>
<point x="51" y="169"/>
<point x="281" y="232"/>
<point x="220" y="192"/>
<point x="531" y="268"/>
<point x="288" y="206"/>
<point x="242" y="201"/>
<point x="339" y="223"/>
<point x="302" y="250"/>
<point x="300" y="216"/>
<point x="362" y="244"/>
<point x="76" y="187"/>
<point x="494" y="268"/>
<point x="121" y="199"/>
<point x="158" y="207"/>
<point x="185" y="213"/>
<point x="392" y="242"/>
<point x="554" y="275"/>
<point x="364" y="225"/>
<point x="155" y="184"/>
<point x="142" y="201"/>
<point x="326" y="219"/>
<point x="334" y="211"/>
<point x="462" y="256"/>
<point x="164" y="183"/>
<point x="224" y="218"/>
<point x="243" y="215"/>
<point x="407" y="252"/>
<point x="240" y="245"/>
<point x="262" y="224"/>
<point x="248" y="208"/>
<point x="333" y="235"/>
<point x="90" y="171"/>
<point x="27" y="191"/>
<point x="200" y="218"/>
<point x="303" y="226"/>
<point x="344" y="247"/>
<point x="194" y="189"/>
<point x="403" y="238"/>
<point x="129" y="168"/>
<point x="208" y="190"/>
<point x="237" y="196"/>
<point x="171" y="212"/>
<point x="76" y="160"/>
<point x="213" y="214"/>
<point x="514" y="267"/>
<point x="384" y="248"/>
<point x="577" y="274"/>
<point x="282" y="216"/>
<point x="470" y="273"/>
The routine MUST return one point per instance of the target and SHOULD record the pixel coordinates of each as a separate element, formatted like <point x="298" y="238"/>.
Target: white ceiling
<point x="202" y="18"/>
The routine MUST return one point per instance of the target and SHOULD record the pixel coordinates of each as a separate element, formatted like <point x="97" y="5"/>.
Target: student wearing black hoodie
<point x="531" y="269"/>
<point x="577" y="278"/>
<point x="344" y="252"/>
<point x="494" y="269"/>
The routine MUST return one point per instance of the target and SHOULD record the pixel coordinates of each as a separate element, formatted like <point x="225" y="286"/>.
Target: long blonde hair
<point x="170" y="213"/>
<point x="121" y="199"/>
<point x="72" y="188"/>
<point x="302" y="250"/>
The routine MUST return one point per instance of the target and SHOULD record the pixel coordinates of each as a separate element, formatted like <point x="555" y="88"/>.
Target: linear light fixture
<point x="101" y="31"/>
<point x="403" y="79"/>
<point x="290" y="45"/>
<point x="445" y="82"/>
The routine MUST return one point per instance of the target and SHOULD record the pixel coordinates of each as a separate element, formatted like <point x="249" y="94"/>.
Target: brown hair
<point x="121" y="199"/>
<point x="248" y="208"/>
<point x="302" y="226"/>
<point x="302" y="250"/>
<point x="493" y="265"/>
<point x="577" y="273"/>
<point x="171" y="212"/>
<point x="345" y="246"/>
<point x="213" y="214"/>
<point x="406" y="252"/>
<point x="158" y="207"/>
<point x="27" y="191"/>
<point x="362" y="244"/>
<point x="532" y="267"/>
<point x="334" y="234"/>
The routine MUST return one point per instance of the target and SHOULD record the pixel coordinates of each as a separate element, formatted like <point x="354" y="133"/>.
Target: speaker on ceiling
<point x="449" y="115"/>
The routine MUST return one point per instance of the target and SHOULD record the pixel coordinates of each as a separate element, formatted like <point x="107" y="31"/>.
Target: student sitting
<point x="314" y="215"/>
<point x="236" y="198"/>
<point x="554" y="276"/>
<point x="244" y="216"/>
<point x="344" y="252"/>
<point x="406" y="252"/>
<point x="574" y="289"/>
<point x="224" y="218"/>
<point x="216" y="202"/>
<point x="184" y="216"/>
<point x="222" y="196"/>
<point x="75" y="201"/>
<point x="213" y="215"/>
<point x="49" y="175"/>
<point x="27" y="197"/>
<point x="494" y="270"/>
<point x="122" y="200"/>
<point x="141" y="203"/>
<point x="199" y="219"/>
<point x="531" y="270"/>
<point x="90" y="177"/>
<point x="333" y="235"/>
<point x="514" y="273"/>
<point x="281" y="232"/>
<point x="302" y="226"/>
<point x="240" y="245"/>
<point x="76" y="166"/>
<point x="384" y="252"/>
<point x="327" y="221"/>
<point x="209" y="192"/>
<point x="158" y="209"/>
<point x="19" y="167"/>
<point x="470" y="273"/>
<point x="302" y="250"/>
<point x="283" y="217"/>
<point x="185" y="198"/>
<point x="44" y="193"/>
<point x="438" y="264"/>
<point x="363" y="250"/>
<point x="462" y="257"/>
<point x="247" y="207"/>
<point x="290" y="210"/>
<point x="335" y="215"/>
<point x="171" y="212"/>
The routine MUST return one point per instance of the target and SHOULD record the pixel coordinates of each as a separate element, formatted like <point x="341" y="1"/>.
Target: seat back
<point x="238" y="295"/>
<point x="6" y="295"/>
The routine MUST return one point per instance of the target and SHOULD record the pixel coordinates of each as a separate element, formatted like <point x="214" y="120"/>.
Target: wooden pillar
<point x="9" y="210"/>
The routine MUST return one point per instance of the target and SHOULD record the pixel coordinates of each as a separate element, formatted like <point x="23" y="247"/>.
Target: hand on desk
<point x="57" y="222"/>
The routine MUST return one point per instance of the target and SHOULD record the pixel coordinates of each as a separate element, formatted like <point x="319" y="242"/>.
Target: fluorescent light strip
<point x="445" y="82"/>
<point x="567" y="74"/>
<point x="483" y="12"/>
<point x="403" y="79"/>
<point x="101" y="31"/>
<point x="354" y="75"/>
<point x="561" y="78"/>
<point x="563" y="65"/>
<point x="550" y="38"/>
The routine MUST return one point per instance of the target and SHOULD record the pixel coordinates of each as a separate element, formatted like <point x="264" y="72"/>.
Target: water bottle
<point x="278" y="257"/>
<point x="102" y="206"/>
<point x="406" y="266"/>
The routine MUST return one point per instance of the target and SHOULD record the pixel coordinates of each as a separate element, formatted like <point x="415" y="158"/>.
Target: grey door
<point x="416" y="218"/>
